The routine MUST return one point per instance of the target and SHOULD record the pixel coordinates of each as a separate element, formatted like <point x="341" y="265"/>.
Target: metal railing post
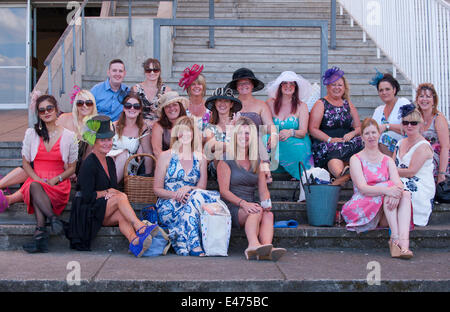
<point x="323" y="56"/>
<point x="63" y="67"/>
<point x="211" y="28"/>
<point x="333" y="25"/>
<point x="82" y="31"/>
<point x="130" y="41"/>
<point x="174" y="16"/>
<point x="49" y="78"/>
<point x="74" y="54"/>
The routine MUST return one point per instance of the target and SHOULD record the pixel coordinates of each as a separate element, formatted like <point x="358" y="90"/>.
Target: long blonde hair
<point x="253" y="143"/>
<point x="82" y="95"/>
<point x="179" y="127"/>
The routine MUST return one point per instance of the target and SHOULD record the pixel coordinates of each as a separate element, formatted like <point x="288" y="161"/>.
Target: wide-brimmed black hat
<point x="245" y="73"/>
<point x="225" y="94"/>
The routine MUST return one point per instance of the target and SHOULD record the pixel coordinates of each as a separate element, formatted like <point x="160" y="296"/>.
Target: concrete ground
<point x="13" y="124"/>
<point x="299" y="270"/>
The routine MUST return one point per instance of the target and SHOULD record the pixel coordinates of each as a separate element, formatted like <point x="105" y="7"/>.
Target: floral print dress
<point x="421" y="186"/>
<point x="361" y="212"/>
<point x="431" y="136"/>
<point x="183" y="220"/>
<point x="336" y="122"/>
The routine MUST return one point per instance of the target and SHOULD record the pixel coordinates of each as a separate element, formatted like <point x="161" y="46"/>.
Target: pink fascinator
<point x="75" y="91"/>
<point x="189" y="76"/>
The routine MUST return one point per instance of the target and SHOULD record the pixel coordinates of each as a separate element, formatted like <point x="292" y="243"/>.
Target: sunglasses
<point x="412" y="123"/>
<point x="136" y="106"/>
<point x="88" y="103"/>
<point x="288" y="83"/>
<point x="49" y="108"/>
<point x="149" y="70"/>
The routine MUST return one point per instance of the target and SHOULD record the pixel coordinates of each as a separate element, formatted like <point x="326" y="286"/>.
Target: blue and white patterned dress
<point x="183" y="220"/>
<point x="421" y="185"/>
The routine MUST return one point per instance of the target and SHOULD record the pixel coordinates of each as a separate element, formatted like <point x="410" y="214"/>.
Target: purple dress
<point x="336" y="122"/>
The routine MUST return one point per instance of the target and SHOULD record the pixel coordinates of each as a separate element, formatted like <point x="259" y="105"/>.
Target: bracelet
<point x="240" y="203"/>
<point x="329" y="140"/>
<point x="440" y="172"/>
<point x="293" y="132"/>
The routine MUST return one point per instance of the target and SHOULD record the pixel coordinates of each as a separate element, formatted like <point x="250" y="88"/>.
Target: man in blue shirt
<point x="110" y="93"/>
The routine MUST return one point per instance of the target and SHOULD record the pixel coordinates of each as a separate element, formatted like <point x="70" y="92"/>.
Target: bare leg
<point x="335" y="166"/>
<point x="404" y="219"/>
<point x="251" y="223"/>
<point x="17" y="197"/>
<point x="17" y="176"/>
<point x="266" y="229"/>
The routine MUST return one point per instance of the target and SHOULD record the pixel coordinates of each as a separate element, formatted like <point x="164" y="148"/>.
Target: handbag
<point x="215" y="221"/>
<point x="160" y="243"/>
<point x="443" y="191"/>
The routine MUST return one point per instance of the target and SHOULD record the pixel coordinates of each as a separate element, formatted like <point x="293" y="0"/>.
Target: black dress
<point x="88" y="212"/>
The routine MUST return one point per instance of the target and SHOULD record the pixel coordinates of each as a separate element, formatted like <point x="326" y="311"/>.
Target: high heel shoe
<point x="275" y="254"/>
<point x="250" y="254"/>
<point x="394" y="248"/>
<point x="145" y="241"/>
<point x="39" y="244"/>
<point x="405" y="253"/>
<point x="57" y="226"/>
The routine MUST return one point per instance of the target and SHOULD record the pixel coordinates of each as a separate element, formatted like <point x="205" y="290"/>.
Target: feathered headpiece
<point x="407" y="109"/>
<point x="376" y="79"/>
<point x="90" y="133"/>
<point x="189" y="76"/>
<point x="75" y="91"/>
<point x="331" y="75"/>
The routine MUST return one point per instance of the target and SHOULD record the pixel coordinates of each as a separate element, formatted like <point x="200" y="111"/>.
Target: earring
<point x="40" y="124"/>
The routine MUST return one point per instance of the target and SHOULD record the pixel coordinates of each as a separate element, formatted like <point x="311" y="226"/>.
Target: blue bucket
<point x="321" y="201"/>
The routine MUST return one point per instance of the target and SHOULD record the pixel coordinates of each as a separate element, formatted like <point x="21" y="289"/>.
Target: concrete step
<point x="282" y="210"/>
<point x="10" y="150"/>
<point x="300" y="270"/>
<point x="13" y="236"/>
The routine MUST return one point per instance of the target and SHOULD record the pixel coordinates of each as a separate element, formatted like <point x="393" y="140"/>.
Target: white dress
<point x="390" y="138"/>
<point x="421" y="186"/>
<point x="125" y="143"/>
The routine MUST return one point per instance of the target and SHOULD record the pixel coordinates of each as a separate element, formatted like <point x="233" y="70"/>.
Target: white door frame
<point x="27" y="58"/>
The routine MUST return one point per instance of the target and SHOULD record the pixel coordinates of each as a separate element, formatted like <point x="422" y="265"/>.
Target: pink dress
<point x="48" y="165"/>
<point x="362" y="213"/>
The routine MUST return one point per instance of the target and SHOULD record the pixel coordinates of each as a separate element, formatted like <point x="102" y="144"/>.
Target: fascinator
<point x="99" y="127"/>
<point x="331" y="75"/>
<point x="226" y="94"/>
<point x="189" y="75"/>
<point x="376" y="79"/>
<point x="407" y="109"/>
<point x="74" y="93"/>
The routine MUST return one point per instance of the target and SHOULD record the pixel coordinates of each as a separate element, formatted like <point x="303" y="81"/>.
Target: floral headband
<point x="376" y="79"/>
<point x="76" y="89"/>
<point x="189" y="75"/>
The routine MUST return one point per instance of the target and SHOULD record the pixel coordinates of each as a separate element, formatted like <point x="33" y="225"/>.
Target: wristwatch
<point x="387" y="127"/>
<point x="60" y="179"/>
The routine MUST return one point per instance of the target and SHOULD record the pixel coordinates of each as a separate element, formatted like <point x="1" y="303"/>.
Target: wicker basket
<point x="139" y="189"/>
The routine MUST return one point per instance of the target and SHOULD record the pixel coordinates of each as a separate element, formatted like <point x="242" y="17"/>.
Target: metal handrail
<point x="419" y="47"/>
<point x="60" y="45"/>
<point x="322" y="24"/>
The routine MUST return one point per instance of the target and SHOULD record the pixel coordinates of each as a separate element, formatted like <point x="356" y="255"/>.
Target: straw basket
<point x="139" y="189"/>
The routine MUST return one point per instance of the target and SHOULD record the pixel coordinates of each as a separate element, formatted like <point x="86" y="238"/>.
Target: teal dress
<point x="293" y="150"/>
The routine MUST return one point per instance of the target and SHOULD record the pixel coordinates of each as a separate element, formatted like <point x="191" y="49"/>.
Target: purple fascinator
<point x="407" y="109"/>
<point x="376" y="79"/>
<point x="331" y="75"/>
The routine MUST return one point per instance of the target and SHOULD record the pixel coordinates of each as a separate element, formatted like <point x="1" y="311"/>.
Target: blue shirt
<point x="109" y="101"/>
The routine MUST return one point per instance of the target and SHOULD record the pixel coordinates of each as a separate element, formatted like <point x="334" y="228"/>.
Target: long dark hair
<point x="294" y="100"/>
<point x="40" y="127"/>
<point x="140" y="119"/>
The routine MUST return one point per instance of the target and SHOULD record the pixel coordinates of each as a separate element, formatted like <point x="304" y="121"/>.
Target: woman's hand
<point x="391" y="202"/>
<point x="182" y="194"/>
<point x="53" y="181"/>
<point x="394" y="191"/>
<point x="441" y="177"/>
<point x="285" y="134"/>
<point x="337" y="140"/>
<point x="349" y="136"/>
<point x="250" y="208"/>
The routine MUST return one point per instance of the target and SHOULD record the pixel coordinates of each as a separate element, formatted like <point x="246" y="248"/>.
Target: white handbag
<point x="216" y="228"/>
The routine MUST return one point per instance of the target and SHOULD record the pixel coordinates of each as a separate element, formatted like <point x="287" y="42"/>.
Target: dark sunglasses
<point x="49" y="108"/>
<point x="149" y="70"/>
<point x="88" y="103"/>
<point x="413" y="123"/>
<point x="136" y="106"/>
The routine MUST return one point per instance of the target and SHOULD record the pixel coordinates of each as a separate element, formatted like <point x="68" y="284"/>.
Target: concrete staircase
<point x="269" y="51"/>
<point x="138" y="8"/>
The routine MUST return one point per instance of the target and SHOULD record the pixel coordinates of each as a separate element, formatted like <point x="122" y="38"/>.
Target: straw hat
<point x="169" y="98"/>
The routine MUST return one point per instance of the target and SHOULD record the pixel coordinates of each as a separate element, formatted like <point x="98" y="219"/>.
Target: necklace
<point x="51" y="135"/>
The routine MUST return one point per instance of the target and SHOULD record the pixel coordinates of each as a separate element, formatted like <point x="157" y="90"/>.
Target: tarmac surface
<point x="299" y="270"/>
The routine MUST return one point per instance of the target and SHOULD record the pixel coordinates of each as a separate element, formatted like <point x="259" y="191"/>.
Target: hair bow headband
<point x="189" y="75"/>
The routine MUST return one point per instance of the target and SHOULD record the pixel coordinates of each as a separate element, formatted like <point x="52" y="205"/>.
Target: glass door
<point x="14" y="56"/>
